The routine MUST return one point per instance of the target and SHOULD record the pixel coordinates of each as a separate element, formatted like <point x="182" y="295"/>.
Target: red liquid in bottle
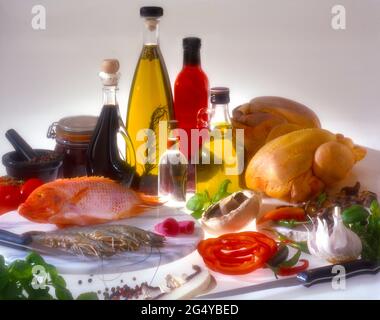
<point x="190" y="94"/>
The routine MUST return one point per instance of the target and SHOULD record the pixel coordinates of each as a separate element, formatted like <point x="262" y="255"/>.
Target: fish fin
<point x="135" y="211"/>
<point x="79" y="196"/>
<point x="150" y="201"/>
<point x="64" y="220"/>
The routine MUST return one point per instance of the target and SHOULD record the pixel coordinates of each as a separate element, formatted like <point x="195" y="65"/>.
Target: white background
<point x="256" y="47"/>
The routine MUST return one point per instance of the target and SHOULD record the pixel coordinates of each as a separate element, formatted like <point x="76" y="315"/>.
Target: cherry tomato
<point x="10" y="197"/>
<point x="29" y="186"/>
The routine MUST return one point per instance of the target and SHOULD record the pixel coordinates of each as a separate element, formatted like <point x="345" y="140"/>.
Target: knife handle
<point x="326" y="274"/>
<point x="11" y="237"/>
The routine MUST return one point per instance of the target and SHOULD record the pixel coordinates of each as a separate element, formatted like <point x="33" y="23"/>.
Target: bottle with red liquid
<point x="190" y="95"/>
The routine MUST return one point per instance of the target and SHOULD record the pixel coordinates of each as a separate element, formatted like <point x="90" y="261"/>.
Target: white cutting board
<point x="174" y="249"/>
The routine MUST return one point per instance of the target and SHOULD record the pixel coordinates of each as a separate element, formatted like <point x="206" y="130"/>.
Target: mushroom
<point x="231" y="213"/>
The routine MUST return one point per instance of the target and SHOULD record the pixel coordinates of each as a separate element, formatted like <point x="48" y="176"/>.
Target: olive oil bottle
<point x="150" y="102"/>
<point x="222" y="153"/>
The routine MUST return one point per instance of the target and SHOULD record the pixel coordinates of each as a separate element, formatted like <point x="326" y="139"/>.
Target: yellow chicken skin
<point x="298" y="165"/>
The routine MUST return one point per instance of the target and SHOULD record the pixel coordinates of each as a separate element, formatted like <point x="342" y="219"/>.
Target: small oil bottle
<point x="221" y="155"/>
<point x="172" y="170"/>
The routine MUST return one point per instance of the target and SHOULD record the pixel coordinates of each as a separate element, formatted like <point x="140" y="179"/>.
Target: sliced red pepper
<point x="284" y="213"/>
<point x="237" y="253"/>
<point x="283" y="271"/>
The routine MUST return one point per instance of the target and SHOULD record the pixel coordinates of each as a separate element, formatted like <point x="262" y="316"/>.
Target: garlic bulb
<point x="336" y="245"/>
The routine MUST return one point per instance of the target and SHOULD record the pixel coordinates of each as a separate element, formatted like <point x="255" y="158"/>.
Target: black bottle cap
<point x="192" y="43"/>
<point x="154" y="12"/>
<point x="220" y="95"/>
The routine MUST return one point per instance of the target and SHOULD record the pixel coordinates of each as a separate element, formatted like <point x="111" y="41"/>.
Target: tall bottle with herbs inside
<point x="104" y="156"/>
<point x="150" y="102"/>
<point x="222" y="153"/>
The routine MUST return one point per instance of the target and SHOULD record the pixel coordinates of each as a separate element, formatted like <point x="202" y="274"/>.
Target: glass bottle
<point x="104" y="157"/>
<point x="150" y="102"/>
<point x="190" y="96"/>
<point x="221" y="155"/>
<point x="172" y="171"/>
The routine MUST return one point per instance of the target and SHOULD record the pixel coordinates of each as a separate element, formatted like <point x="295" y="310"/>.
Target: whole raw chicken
<point x="298" y="165"/>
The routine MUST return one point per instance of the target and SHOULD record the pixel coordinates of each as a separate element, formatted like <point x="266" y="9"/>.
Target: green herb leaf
<point x="13" y="291"/>
<point x="375" y="208"/>
<point x="280" y="256"/>
<point x="222" y="191"/>
<point x="300" y="245"/>
<point x="292" y="261"/>
<point x="321" y="199"/>
<point x="20" y="270"/>
<point x="63" y="294"/>
<point x="88" y="296"/>
<point x="16" y="281"/>
<point x="34" y="258"/>
<point x="196" y="202"/>
<point x="197" y="214"/>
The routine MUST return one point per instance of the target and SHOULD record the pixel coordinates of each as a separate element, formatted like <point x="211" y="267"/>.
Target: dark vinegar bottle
<point x="104" y="157"/>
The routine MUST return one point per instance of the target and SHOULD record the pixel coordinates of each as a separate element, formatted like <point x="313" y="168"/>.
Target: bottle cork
<point x="110" y="66"/>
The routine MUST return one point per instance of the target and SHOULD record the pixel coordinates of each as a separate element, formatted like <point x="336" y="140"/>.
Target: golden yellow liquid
<point x="222" y="149"/>
<point x="150" y="102"/>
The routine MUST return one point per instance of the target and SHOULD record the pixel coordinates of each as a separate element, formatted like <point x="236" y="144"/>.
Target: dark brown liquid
<point x="103" y="152"/>
<point x="74" y="160"/>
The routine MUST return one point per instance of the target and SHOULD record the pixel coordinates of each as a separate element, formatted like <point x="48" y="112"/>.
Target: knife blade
<point x="306" y="278"/>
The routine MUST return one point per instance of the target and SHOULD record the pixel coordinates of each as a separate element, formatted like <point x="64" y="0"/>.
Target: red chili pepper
<point x="284" y="271"/>
<point x="284" y="213"/>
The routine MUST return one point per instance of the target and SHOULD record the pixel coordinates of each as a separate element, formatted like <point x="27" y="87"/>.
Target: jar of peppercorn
<point x="72" y="136"/>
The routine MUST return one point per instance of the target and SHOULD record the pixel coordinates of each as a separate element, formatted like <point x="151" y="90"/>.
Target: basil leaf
<point x="63" y="294"/>
<point x="196" y="202"/>
<point x="197" y="214"/>
<point x="88" y="296"/>
<point x="222" y="191"/>
<point x="13" y="291"/>
<point x="20" y="269"/>
<point x="34" y="258"/>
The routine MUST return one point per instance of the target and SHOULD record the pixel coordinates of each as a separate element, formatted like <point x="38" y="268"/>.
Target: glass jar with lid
<point x="72" y="136"/>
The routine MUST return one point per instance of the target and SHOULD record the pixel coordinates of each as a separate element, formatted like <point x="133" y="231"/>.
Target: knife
<point x="306" y="278"/>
